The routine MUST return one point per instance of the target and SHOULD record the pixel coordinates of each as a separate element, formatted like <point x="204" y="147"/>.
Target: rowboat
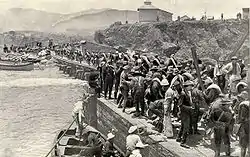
<point x="67" y="144"/>
<point x="13" y="66"/>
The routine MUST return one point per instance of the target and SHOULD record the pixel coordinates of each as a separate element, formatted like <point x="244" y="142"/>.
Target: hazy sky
<point x="178" y="7"/>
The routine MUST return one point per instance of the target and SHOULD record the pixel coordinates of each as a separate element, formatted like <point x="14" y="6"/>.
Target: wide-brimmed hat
<point x="241" y="84"/>
<point x="188" y="83"/>
<point x="243" y="95"/>
<point x="226" y="101"/>
<point x="208" y="82"/>
<point x="132" y="129"/>
<point x="164" y="82"/>
<point x="141" y="145"/>
<point x="126" y="67"/>
<point x="139" y="61"/>
<point x="219" y="74"/>
<point x="234" y="58"/>
<point x="110" y="136"/>
<point x="175" y="70"/>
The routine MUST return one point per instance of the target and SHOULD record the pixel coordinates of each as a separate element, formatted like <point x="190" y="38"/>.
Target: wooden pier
<point x="108" y="116"/>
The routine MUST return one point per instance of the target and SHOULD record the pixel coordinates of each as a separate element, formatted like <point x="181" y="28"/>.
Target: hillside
<point x="83" y="23"/>
<point x="96" y="20"/>
<point x="28" y="19"/>
<point x="212" y="38"/>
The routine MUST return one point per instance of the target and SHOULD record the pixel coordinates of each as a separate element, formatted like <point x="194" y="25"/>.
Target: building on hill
<point x="150" y="13"/>
<point x="246" y="14"/>
<point x="185" y="18"/>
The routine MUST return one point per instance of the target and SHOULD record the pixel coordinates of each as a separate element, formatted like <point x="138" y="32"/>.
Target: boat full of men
<point x="167" y="91"/>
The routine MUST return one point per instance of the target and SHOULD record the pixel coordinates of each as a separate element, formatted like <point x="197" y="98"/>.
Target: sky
<point x="191" y="8"/>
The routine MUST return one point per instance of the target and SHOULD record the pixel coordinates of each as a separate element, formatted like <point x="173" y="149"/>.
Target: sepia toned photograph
<point x="124" y="78"/>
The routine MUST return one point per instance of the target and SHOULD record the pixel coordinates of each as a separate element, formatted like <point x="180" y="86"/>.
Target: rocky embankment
<point x="213" y="39"/>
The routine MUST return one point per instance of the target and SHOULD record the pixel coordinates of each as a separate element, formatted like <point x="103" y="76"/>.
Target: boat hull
<point x="70" y="146"/>
<point x="16" y="67"/>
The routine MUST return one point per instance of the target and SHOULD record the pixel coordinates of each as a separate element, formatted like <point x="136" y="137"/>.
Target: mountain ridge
<point x="20" y="19"/>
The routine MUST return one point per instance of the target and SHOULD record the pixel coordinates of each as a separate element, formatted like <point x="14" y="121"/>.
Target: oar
<point x="60" y="138"/>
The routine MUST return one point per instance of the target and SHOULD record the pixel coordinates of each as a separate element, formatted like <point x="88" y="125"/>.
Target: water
<point x="34" y="106"/>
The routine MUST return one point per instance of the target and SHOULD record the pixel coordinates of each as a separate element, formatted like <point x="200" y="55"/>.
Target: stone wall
<point x="108" y="119"/>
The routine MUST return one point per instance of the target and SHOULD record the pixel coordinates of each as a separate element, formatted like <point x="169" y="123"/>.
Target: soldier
<point x="157" y="108"/>
<point x="168" y="107"/>
<point x="212" y="92"/>
<point x="244" y="127"/>
<point x="221" y="81"/>
<point x="117" y="79"/>
<point x="200" y="106"/>
<point x="138" y="92"/>
<point x="155" y="87"/>
<point x="221" y="116"/>
<point x="109" y="76"/>
<point x="108" y="148"/>
<point x="233" y="71"/>
<point x="124" y="87"/>
<point x="241" y="86"/>
<point x="5" y="49"/>
<point x="94" y="82"/>
<point x="185" y="105"/>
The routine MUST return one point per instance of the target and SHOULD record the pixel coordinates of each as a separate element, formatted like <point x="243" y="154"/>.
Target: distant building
<point x="185" y="18"/>
<point x="150" y="13"/>
<point x="246" y="14"/>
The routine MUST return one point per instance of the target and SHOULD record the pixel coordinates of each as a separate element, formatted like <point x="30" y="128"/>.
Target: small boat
<point x="14" y="66"/>
<point x="70" y="145"/>
<point x="33" y="60"/>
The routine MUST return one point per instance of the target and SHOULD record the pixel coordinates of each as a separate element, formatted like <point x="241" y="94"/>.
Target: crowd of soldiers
<point x="168" y="91"/>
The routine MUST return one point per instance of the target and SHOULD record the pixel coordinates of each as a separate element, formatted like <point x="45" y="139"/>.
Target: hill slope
<point x="84" y="22"/>
<point x="212" y="38"/>
<point x="96" y="20"/>
<point x="28" y="19"/>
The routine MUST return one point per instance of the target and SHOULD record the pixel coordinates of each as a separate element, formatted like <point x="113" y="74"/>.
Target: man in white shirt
<point x="131" y="140"/>
<point x="137" y="151"/>
<point x="233" y="71"/>
<point x="78" y="114"/>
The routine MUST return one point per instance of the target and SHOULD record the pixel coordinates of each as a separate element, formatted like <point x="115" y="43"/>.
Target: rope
<point x="60" y="138"/>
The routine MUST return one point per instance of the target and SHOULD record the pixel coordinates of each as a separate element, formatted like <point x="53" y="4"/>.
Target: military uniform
<point x="155" y="90"/>
<point x="117" y="80"/>
<point x="108" y="80"/>
<point x="244" y="127"/>
<point x="198" y="103"/>
<point x="185" y="112"/>
<point x="138" y="92"/>
<point x="221" y="116"/>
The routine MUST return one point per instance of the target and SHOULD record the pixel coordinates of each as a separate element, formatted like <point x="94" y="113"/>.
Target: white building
<point x="246" y="14"/>
<point x="150" y="13"/>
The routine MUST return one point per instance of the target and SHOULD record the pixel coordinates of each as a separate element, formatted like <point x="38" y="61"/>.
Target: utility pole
<point x="126" y="16"/>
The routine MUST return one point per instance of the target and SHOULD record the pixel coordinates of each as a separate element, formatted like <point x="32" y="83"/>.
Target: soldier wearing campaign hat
<point x="185" y="105"/>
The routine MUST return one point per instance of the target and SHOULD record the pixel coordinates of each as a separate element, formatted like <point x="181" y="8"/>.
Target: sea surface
<point x="34" y="106"/>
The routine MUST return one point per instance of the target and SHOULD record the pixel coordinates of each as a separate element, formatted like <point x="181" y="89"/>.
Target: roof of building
<point x="245" y="9"/>
<point x="148" y="6"/>
<point x="185" y="17"/>
<point x="165" y="11"/>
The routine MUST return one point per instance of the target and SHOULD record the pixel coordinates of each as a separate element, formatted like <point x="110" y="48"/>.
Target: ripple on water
<point x="32" y="111"/>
